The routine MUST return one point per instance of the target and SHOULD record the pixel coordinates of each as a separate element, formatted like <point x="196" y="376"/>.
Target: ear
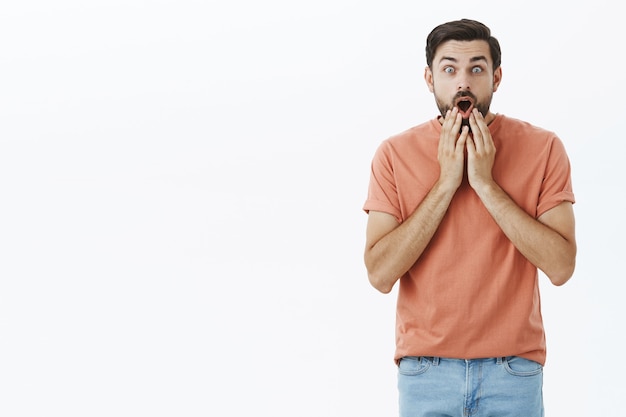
<point x="497" y="78"/>
<point x="428" y="77"/>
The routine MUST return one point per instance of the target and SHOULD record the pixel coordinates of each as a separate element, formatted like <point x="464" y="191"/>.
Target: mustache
<point x="461" y="94"/>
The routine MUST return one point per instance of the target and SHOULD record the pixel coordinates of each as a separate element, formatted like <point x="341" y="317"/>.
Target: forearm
<point x="551" y="251"/>
<point x="393" y="248"/>
<point x="389" y="257"/>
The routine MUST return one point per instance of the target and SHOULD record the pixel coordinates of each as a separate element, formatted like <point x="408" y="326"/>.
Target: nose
<point x="463" y="83"/>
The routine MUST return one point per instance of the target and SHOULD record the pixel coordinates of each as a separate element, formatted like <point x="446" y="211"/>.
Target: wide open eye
<point x="448" y="70"/>
<point x="476" y="70"/>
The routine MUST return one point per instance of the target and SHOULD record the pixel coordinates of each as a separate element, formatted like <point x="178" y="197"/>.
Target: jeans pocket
<point x="413" y="365"/>
<point x="518" y="366"/>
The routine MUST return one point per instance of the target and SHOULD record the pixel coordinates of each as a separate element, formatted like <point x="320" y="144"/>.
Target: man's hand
<point x="392" y="247"/>
<point x="481" y="153"/>
<point x="451" y="152"/>
<point x="547" y="242"/>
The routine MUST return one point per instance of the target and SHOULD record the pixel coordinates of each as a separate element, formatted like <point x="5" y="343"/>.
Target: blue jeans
<point x="496" y="387"/>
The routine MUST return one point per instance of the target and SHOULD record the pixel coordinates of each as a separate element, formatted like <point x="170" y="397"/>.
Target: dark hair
<point x="462" y="30"/>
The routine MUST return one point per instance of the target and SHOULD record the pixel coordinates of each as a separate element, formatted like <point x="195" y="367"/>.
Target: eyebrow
<point x="473" y="59"/>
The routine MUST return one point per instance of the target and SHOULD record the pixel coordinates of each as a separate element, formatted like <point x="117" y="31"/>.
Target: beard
<point x="482" y="106"/>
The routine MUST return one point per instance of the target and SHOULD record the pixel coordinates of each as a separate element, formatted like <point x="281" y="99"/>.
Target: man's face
<point x="462" y="76"/>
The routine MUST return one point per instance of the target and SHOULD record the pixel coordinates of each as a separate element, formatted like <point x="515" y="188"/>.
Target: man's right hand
<point x="451" y="151"/>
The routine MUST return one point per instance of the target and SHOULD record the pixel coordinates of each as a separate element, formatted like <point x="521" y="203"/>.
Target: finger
<point x="482" y="125"/>
<point x="469" y="141"/>
<point x="463" y="139"/>
<point x="477" y="134"/>
<point x="450" y="129"/>
<point x="458" y="120"/>
<point x="444" y="130"/>
<point x="450" y="120"/>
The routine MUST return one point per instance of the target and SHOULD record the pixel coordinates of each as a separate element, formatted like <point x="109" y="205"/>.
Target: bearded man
<point x="463" y="210"/>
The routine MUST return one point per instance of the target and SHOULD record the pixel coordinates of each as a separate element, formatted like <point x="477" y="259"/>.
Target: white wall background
<point x="181" y="186"/>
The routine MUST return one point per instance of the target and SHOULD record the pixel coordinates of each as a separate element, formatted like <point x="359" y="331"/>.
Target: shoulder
<point x="511" y="125"/>
<point x="411" y="138"/>
<point x="516" y="132"/>
<point x="522" y="141"/>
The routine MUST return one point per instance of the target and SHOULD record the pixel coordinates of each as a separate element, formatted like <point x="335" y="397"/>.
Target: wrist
<point x="445" y="187"/>
<point x="485" y="189"/>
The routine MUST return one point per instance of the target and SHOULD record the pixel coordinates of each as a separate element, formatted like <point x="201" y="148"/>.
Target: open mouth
<point x="465" y="106"/>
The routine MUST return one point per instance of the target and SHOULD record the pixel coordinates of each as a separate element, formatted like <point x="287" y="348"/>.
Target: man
<point x="462" y="211"/>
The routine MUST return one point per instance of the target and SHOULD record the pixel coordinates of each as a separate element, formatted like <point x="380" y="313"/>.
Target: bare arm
<point x="391" y="248"/>
<point x="547" y="242"/>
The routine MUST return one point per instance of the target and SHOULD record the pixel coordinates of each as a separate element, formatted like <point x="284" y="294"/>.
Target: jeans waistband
<point x="436" y="359"/>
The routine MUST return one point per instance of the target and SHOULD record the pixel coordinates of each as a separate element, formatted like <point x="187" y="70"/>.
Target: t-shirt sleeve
<point x="557" y="182"/>
<point x="382" y="192"/>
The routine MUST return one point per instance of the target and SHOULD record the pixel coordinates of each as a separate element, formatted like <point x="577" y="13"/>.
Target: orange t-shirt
<point x="471" y="294"/>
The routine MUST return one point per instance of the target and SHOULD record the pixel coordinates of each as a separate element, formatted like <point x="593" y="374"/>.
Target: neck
<point x="490" y="117"/>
